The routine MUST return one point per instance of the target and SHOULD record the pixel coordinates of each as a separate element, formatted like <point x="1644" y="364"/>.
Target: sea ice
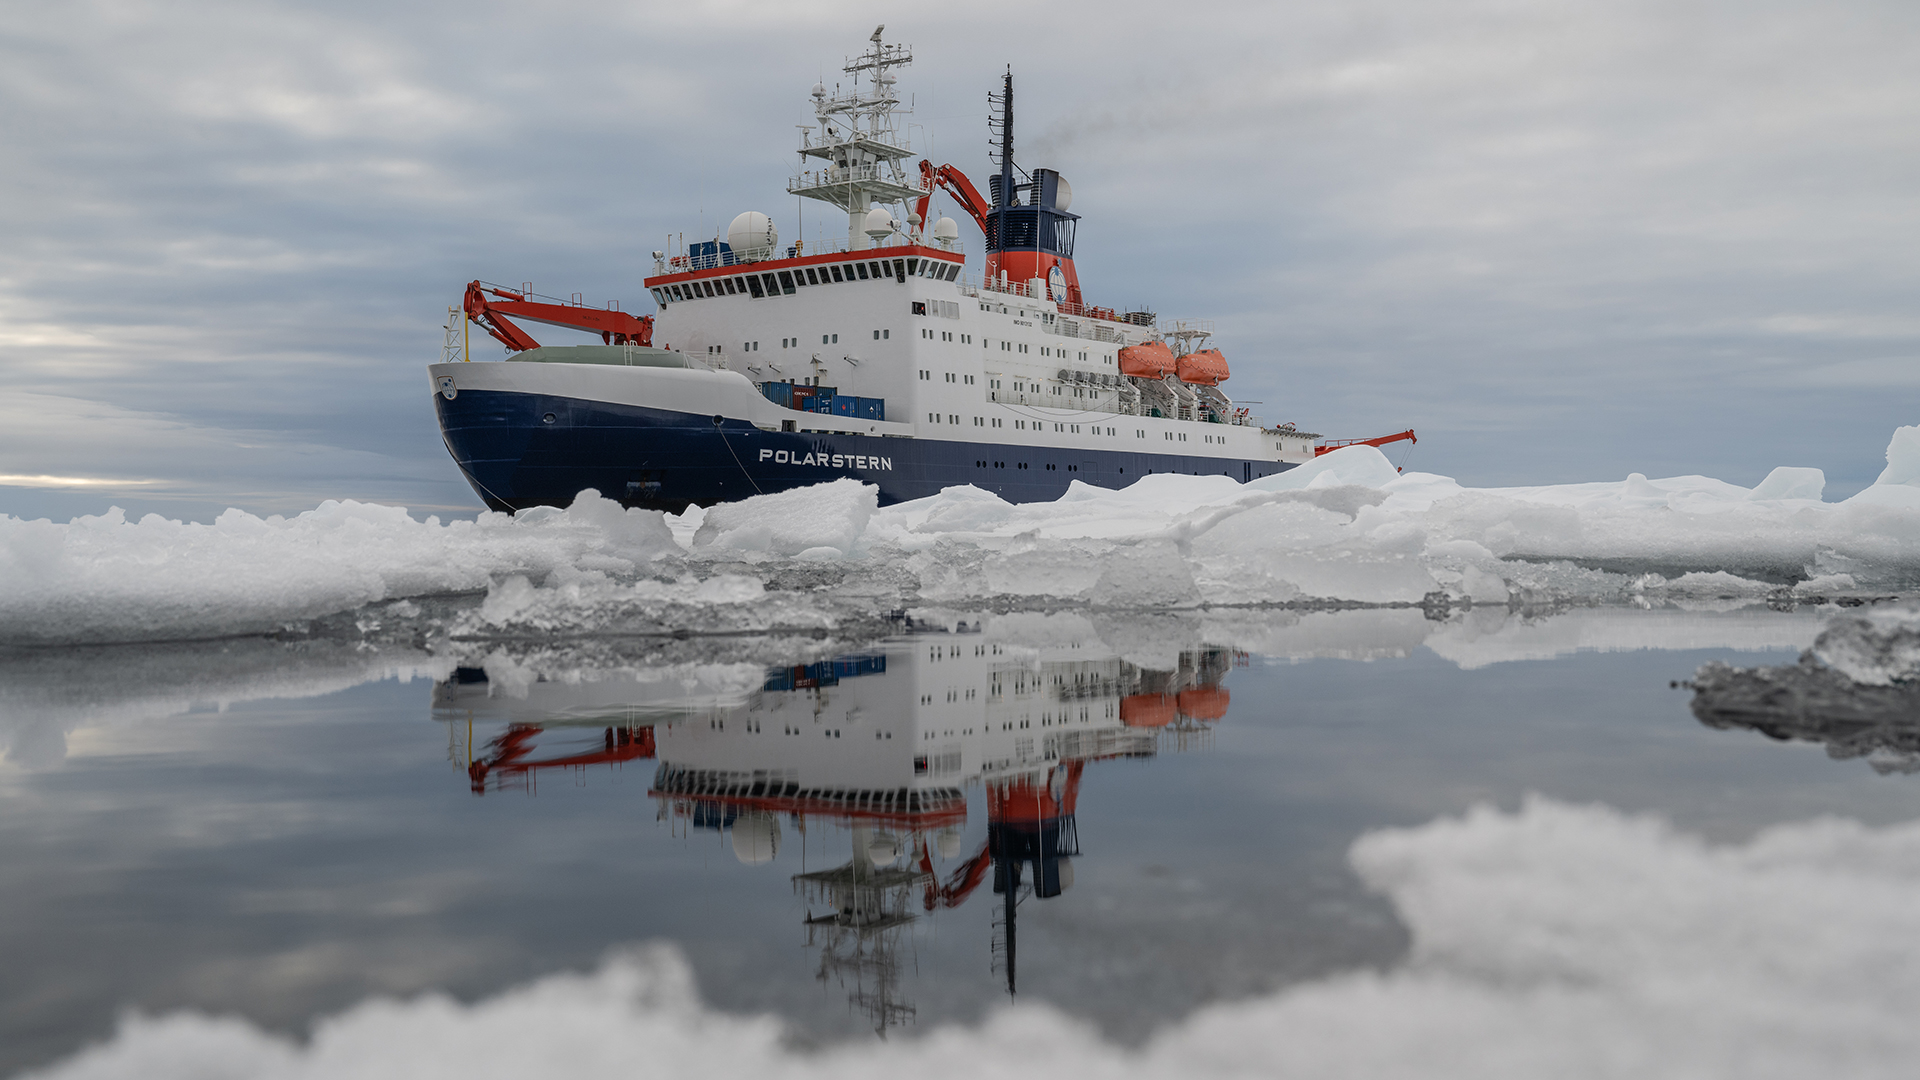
<point x="1344" y="529"/>
<point x="105" y="578"/>
<point x="1557" y="940"/>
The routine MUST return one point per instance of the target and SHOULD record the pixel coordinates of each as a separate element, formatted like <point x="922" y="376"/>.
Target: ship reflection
<point x="881" y="748"/>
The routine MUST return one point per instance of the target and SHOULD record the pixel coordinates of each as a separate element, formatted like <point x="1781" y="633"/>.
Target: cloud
<point x="1473" y="217"/>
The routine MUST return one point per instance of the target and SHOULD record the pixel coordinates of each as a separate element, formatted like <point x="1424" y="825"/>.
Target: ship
<point x="883" y="356"/>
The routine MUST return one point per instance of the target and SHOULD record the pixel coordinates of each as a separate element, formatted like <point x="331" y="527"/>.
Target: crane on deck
<point x="490" y="306"/>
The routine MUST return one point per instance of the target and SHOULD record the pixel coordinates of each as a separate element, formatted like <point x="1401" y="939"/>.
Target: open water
<point x="861" y="837"/>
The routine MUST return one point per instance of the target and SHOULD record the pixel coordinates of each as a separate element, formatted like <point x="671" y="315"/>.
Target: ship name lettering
<point x="828" y="461"/>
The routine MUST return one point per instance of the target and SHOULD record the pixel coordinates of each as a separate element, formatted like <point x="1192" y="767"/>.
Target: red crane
<point x="1331" y="445"/>
<point x="959" y="187"/>
<point x="489" y="305"/>
<point x="510" y="750"/>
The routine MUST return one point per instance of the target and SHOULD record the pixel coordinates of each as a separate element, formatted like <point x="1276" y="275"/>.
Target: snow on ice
<point x="1343" y="529"/>
<point x="1558" y="940"/>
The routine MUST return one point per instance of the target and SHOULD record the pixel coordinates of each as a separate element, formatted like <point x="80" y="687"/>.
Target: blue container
<point x="862" y="408"/>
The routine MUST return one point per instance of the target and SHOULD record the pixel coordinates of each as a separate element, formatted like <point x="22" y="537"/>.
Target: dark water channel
<point x="831" y="834"/>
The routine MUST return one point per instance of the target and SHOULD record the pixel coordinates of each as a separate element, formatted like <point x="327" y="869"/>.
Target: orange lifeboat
<point x="1204" y="702"/>
<point x="1152" y="360"/>
<point x="1205" y="367"/>
<point x="1147" y="710"/>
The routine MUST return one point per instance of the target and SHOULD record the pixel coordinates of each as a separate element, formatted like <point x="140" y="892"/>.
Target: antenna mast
<point x="860" y="144"/>
<point x="1003" y="191"/>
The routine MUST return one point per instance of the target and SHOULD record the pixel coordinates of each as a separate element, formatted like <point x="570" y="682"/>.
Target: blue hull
<point x="515" y="457"/>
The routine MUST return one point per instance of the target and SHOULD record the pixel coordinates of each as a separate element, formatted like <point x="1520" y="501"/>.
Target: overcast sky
<point x="1564" y="241"/>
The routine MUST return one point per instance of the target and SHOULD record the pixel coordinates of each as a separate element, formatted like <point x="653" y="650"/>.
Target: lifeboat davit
<point x="1205" y="367"/>
<point x="1152" y="360"/>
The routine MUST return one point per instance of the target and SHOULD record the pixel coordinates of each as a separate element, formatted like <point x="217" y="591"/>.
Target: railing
<point x="800" y="249"/>
<point x="807" y="179"/>
<point x="1027" y="291"/>
<point x="1115" y="406"/>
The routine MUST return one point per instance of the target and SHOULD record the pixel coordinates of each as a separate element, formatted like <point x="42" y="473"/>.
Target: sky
<point x="1562" y="241"/>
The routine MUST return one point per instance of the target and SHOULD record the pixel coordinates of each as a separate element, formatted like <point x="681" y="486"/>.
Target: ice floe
<point x="1856" y="690"/>
<point x="1556" y="940"/>
<point x="1345" y="529"/>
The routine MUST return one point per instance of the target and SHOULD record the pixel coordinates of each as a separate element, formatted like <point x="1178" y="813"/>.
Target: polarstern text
<point x="826" y="460"/>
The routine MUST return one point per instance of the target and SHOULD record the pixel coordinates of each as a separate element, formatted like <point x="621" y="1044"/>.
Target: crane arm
<point x="489" y="306"/>
<point x="961" y="883"/>
<point x="1335" y="444"/>
<point x="959" y="187"/>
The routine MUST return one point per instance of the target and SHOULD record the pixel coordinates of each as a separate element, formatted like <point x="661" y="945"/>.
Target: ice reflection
<point x="871" y="755"/>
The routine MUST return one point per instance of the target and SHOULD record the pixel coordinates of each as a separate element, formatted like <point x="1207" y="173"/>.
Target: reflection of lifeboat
<point x="1204" y="702"/>
<point x="1151" y="360"/>
<point x="1148" y="710"/>
<point x="1205" y="367"/>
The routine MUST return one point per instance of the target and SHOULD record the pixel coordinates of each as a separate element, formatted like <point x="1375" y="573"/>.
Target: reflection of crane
<point x="507" y="753"/>
<point x="1029" y="821"/>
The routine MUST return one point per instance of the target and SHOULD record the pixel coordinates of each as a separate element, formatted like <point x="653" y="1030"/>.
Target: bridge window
<point x="836" y="271"/>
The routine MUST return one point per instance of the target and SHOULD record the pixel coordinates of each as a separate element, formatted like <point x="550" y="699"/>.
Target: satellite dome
<point x="756" y="838"/>
<point x="946" y="231"/>
<point x="883" y="848"/>
<point x="948" y="842"/>
<point x="1062" y="192"/>
<point x="879" y="223"/>
<point x="819" y="90"/>
<point x="752" y="236"/>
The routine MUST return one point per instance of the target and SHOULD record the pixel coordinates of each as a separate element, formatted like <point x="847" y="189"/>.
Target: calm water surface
<point x="1127" y="821"/>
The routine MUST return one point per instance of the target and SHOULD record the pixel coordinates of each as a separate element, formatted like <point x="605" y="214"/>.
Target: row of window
<point x="1031" y="425"/>
<point x="794" y="342"/>
<point x="787" y="282"/>
<point x="1022" y="465"/>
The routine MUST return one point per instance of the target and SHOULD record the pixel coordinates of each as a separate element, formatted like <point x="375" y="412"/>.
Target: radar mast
<point x="860" y="146"/>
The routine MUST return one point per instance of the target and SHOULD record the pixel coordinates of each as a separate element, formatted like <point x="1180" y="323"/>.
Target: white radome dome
<point x="1062" y="192"/>
<point x="946" y="230"/>
<point x="756" y="838"/>
<point x="752" y="236"/>
<point x="879" y="223"/>
<point x="883" y="849"/>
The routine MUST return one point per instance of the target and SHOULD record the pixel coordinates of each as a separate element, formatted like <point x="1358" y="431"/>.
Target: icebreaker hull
<point x="538" y="434"/>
